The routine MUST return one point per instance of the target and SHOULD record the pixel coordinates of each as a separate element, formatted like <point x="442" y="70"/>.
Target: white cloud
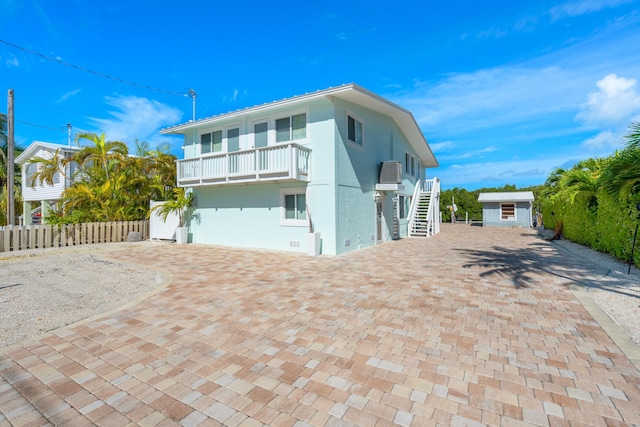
<point x="438" y="147"/>
<point x="615" y="101"/>
<point x="603" y="142"/>
<point x="68" y="95"/>
<point x="581" y="7"/>
<point x="12" y="62"/>
<point x="135" y="117"/>
<point x="498" y="173"/>
<point x="491" y="97"/>
<point x="469" y="154"/>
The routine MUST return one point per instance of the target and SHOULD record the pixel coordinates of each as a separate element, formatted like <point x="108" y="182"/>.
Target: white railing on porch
<point x="280" y="162"/>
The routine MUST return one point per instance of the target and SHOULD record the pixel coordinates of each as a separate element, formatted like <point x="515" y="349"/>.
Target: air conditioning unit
<point x="391" y="172"/>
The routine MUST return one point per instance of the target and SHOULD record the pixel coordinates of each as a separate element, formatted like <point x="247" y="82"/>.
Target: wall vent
<point x="391" y="173"/>
<point x="294" y="244"/>
<point x="347" y="242"/>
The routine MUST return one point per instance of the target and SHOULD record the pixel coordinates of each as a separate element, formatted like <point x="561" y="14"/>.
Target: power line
<point x="189" y="92"/>
<point x="39" y="126"/>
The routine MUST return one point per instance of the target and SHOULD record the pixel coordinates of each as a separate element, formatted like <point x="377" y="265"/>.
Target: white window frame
<point x="284" y="221"/>
<point x="225" y="137"/>
<point x="210" y="132"/>
<point x="404" y="206"/>
<point x="515" y="212"/>
<point x="411" y="165"/>
<point x="251" y="135"/>
<point x="290" y="115"/>
<point x="357" y="119"/>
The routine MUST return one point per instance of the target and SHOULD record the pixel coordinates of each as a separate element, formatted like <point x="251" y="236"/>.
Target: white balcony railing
<point x="280" y="162"/>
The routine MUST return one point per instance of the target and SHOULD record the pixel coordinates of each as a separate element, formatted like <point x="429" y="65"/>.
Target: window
<point x="233" y="140"/>
<point x="211" y="142"/>
<point x="508" y="211"/>
<point x="293" y="207"/>
<point x="410" y="164"/>
<point x="291" y="128"/>
<point x="260" y="136"/>
<point x="31" y="170"/>
<point x="354" y="130"/>
<point x="404" y="203"/>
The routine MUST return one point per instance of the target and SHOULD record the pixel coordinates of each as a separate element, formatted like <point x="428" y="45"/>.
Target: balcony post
<point x="296" y="161"/>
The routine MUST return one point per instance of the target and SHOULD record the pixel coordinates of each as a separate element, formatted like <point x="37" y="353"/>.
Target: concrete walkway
<point x="472" y="327"/>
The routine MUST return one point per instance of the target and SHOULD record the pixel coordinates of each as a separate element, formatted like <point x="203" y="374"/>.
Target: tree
<point x="178" y="204"/>
<point x="622" y="176"/>
<point x="111" y="185"/>
<point x="102" y="154"/>
<point x="49" y="168"/>
<point x="582" y="180"/>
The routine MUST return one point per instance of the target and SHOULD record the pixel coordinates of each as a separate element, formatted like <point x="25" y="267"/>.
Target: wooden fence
<point x="15" y="238"/>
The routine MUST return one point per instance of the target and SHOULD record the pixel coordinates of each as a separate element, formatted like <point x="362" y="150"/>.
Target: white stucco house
<point x="343" y="162"/>
<point x="41" y="198"/>
<point x="507" y="209"/>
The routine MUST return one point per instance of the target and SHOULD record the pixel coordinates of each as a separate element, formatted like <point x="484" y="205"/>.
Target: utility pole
<point x="193" y="95"/>
<point x="11" y="210"/>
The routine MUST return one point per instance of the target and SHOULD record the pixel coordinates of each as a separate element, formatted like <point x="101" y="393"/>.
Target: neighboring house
<point x="507" y="209"/>
<point x="264" y="176"/>
<point x="39" y="198"/>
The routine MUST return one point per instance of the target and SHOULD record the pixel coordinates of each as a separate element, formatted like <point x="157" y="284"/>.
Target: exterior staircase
<point x="425" y="209"/>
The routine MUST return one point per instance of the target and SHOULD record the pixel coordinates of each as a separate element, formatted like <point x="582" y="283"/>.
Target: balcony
<point x="285" y="162"/>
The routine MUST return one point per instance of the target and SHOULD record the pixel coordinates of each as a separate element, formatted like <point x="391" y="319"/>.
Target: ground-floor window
<point x="404" y="203"/>
<point x="507" y="211"/>
<point x="293" y="207"/>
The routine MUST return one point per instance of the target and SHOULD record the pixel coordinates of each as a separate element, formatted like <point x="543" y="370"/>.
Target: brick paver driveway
<point x="475" y="326"/>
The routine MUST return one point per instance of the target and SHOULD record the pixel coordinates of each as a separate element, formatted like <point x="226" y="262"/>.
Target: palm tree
<point x="582" y="180"/>
<point x="49" y="168"/>
<point x="178" y="204"/>
<point x="622" y="176"/>
<point x="102" y="154"/>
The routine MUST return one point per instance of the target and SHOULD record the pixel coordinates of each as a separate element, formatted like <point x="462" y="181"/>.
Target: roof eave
<point x="350" y="92"/>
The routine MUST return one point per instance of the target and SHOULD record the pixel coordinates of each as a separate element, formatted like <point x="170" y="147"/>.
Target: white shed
<point x="507" y="209"/>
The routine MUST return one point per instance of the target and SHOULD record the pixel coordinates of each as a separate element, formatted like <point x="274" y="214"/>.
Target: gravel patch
<point x="616" y="292"/>
<point x="47" y="289"/>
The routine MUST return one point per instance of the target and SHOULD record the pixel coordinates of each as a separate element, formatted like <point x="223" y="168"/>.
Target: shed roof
<point x="510" y="196"/>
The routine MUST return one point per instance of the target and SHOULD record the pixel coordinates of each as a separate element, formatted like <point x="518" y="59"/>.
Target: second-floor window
<point x="233" y="140"/>
<point x="410" y="163"/>
<point x="354" y="130"/>
<point x="291" y="128"/>
<point x="260" y="135"/>
<point x="211" y="142"/>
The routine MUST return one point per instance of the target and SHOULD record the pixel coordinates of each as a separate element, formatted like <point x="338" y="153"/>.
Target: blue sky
<point x="504" y="91"/>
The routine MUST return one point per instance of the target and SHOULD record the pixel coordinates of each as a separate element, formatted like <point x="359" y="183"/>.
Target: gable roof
<point x="508" y="196"/>
<point x="349" y="92"/>
<point x="35" y="146"/>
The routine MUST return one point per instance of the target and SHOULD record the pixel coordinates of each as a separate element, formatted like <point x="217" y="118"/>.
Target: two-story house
<point x="39" y="198"/>
<point x="264" y="176"/>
